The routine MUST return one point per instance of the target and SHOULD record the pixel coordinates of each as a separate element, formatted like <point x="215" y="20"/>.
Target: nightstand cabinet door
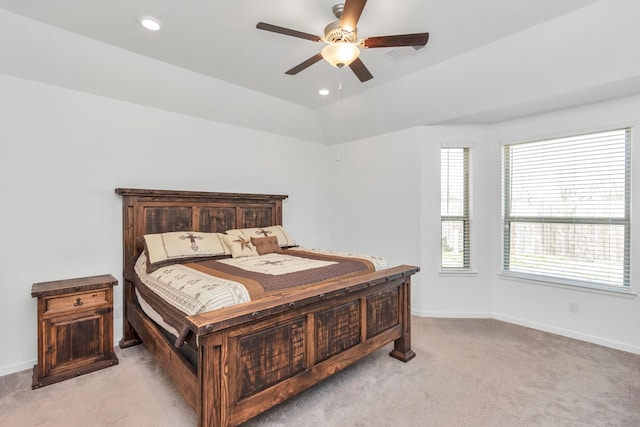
<point x="74" y="341"/>
<point x="75" y="328"/>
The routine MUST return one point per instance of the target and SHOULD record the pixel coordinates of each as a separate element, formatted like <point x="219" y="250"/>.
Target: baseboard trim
<point x="452" y="314"/>
<point x="22" y="366"/>
<point x="617" y="345"/>
<point x="570" y="334"/>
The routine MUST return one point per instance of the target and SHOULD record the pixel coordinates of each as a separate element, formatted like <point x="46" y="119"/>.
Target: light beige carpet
<point x="466" y="373"/>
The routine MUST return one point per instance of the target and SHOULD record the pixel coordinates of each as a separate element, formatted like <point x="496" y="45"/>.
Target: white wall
<point x="375" y="195"/>
<point x="62" y="151"/>
<point x="605" y="318"/>
<point x="386" y="191"/>
<point x="450" y="294"/>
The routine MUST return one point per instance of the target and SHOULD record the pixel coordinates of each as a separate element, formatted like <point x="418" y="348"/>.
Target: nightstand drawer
<point x="76" y="302"/>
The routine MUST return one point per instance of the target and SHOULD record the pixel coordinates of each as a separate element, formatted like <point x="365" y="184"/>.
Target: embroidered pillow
<point x="182" y="246"/>
<point x="240" y="245"/>
<point x="266" y="245"/>
<point x="284" y="239"/>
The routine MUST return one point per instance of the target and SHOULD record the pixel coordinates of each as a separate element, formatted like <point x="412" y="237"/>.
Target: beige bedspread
<point x="179" y="290"/>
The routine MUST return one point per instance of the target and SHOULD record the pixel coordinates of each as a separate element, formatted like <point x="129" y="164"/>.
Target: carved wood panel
<point x="217" y="220"/>
<point x="256" y="217"/>
<point x="337" y="329"/>
<point x="167" y="219"/>
<point x="76" y="339"/>
<point x="382" y="311"/>
<point x="272" y="355"/>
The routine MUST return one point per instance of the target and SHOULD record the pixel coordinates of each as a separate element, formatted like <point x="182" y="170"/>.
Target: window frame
<point x="507" y="220"/>
<point x="465" y="218"/>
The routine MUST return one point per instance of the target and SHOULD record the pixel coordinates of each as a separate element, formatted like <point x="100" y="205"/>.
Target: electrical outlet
<point x="573" y="307"/>
<point x="117" y="312"/>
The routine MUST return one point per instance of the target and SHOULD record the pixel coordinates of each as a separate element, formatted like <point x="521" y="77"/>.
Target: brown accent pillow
<point x="266" y="245"/>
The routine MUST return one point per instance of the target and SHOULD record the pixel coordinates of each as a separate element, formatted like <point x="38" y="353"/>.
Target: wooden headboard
<point x="160" y="211"/>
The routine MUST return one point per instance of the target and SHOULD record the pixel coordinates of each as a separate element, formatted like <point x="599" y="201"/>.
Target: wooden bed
<point x="255" y="355"/>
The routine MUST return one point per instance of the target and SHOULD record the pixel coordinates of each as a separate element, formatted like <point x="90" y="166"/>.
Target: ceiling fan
<point x="343" y="47"/>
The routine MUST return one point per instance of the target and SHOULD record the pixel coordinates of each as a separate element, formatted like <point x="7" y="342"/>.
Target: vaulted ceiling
<point x="486" y="60"/>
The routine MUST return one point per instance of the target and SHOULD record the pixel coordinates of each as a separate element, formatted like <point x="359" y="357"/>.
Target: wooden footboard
<point x="292" y="344"/>
<point x="254" y="356"/>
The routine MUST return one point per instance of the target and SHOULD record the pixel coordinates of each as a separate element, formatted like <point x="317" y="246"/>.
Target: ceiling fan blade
<point x="287" y="31"/>
<point x="309" y="62"/>
<point x="351" y="14"/>
<point x="358" y="68"/>
<point x="418" y="39"/>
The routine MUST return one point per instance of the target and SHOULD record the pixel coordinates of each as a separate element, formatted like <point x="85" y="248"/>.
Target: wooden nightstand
<point x="75" y="328"/>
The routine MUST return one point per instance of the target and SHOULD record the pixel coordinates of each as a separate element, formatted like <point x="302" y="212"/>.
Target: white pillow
<point x="240" y="245"/>
<point x="182" y="246"/>
<point x="284" y="239"/>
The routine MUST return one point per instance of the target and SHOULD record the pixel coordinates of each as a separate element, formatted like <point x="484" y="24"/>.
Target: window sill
<point x="598" y="289"/>
<point x="457" y="273"/>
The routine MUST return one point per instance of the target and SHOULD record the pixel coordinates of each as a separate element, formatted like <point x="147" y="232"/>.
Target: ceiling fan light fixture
<point x="340" y="54"/>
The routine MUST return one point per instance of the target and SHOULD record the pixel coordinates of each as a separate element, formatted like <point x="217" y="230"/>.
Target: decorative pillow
<point x="266" y="245"/>
<point x="284" y="239"/>
<point x="240" y="245"/>
<point x="182" y="246"/>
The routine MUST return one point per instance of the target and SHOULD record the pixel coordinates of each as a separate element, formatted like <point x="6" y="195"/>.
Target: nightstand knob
<point x="78" y="303"/>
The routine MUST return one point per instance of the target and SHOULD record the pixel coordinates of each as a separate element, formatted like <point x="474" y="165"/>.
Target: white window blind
<point x="566" y="209"/>
<point x="454" y="208"/>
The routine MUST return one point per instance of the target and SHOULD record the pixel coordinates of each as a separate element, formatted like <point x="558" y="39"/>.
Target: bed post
<point x="212" y="403"/>
<point x="129" y="335"/>
<point x="402" y="346"/>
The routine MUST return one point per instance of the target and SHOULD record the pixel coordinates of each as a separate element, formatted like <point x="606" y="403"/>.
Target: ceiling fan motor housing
<point x="333" y="33"/>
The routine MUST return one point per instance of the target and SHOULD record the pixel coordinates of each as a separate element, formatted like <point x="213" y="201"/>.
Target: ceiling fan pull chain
<point x="339" y="89"/>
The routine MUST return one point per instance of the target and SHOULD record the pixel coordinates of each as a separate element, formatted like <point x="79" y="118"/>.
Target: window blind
<point x="454" y="208"/>
<point x="566" y="208"/>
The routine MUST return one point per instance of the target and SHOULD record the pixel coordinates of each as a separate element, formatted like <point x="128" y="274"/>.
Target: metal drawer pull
<point x="78" y="303"/>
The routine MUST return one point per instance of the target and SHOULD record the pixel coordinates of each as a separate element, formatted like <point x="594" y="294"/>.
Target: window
<point x="566" y="209"/>
<point x="454" y="208"/>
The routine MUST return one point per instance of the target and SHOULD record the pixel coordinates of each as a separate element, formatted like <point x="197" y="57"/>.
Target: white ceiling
<point x="218" y="39"/>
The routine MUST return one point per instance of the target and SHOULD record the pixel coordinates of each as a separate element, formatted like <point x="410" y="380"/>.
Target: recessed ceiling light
<point x="324" y="92"/>
<point x="150" y="23"/>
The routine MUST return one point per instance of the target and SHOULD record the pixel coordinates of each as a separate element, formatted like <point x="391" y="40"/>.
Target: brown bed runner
<point x="260" y="284"/>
